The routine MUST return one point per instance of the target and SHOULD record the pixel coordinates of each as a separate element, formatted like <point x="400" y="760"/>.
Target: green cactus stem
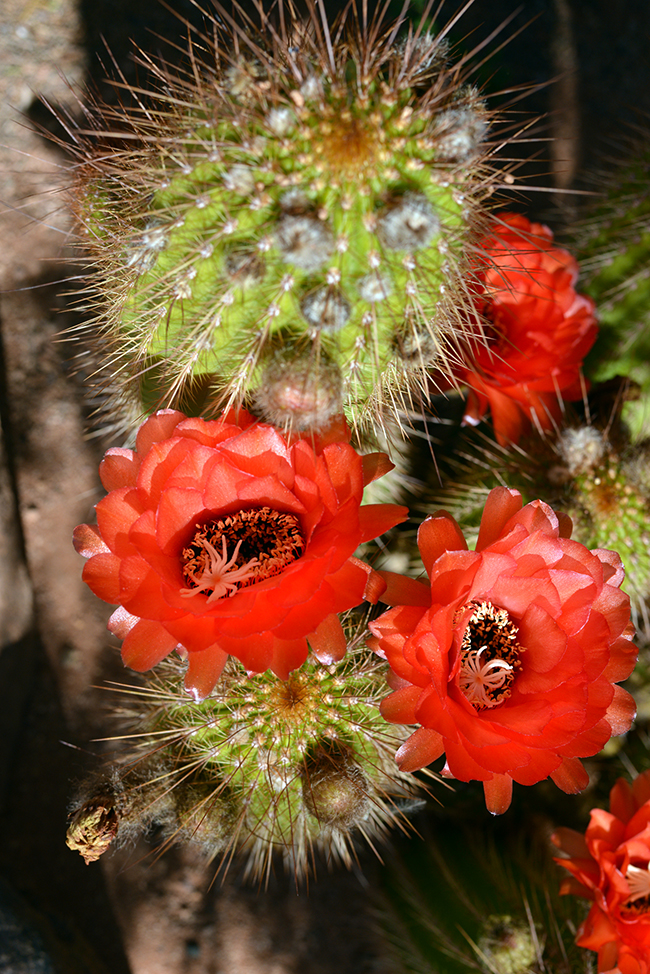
<point x="287" y="222"/>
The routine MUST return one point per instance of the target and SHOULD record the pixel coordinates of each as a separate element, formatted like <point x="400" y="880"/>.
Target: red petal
<point x="119" y="468"/>
<point x="270" y="492"/>
<point x="88" y="541"/>
<point x="328" y="642"/>
<point x="571" y="842"/>
<point x="436" y="535"/>
<point x="345" y="470"/>
<point x="375" y="465"/>
<point x="221" y="488"/>
<point x="121" y="622"/>
<point x="375" y="519"/>
<point x="502" y="504"/>
<point x="402" y="590"/>
<point x="146" y="644"/>
<point x="287" y="655"/>
<point x="421" y="748"/>
<point x="565" y="525"/>
<point x="115" y="514"/>
<point x="498" y="793"/>
<point x="621" y="711"/>
<point x="257" y="440"/>
<point x="101" y="575"/>
<point x="571" y="776"/>
<point x="158" y="427"/>
<point x="203" y="671"/>
<point x="177" y="510"/>
<point x="507" y="417"/>
<point x="399" y="707"/>
<point x="375" y="584"/>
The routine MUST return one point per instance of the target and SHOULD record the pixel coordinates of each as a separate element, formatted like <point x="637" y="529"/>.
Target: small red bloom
<point x="508" y="658"/>
<point x="222" y="538"/>
<point x="610" y="865"/>
<point x="541" y="330"/>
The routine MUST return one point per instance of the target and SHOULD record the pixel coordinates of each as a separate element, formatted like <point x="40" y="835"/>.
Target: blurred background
<point x="584" y="70"/>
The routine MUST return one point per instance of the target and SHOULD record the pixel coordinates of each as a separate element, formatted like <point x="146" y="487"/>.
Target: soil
<point x="134" y="912"/>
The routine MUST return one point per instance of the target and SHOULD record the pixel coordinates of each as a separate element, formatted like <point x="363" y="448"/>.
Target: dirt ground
<point x="131" y="913"/>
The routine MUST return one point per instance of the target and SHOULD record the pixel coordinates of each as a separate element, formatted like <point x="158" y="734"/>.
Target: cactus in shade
<point x="261" y="765"/>
<point x="613" y="245"/>
<point x="473" y="902"/>
<point x="285" y="222"/>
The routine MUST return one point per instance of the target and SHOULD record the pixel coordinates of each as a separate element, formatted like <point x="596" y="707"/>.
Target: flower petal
<point x="501" y="504"/>
<point x="146" y="644"/>
<point x="571" y="776"/>
<point x="327" y="641"/>
<point x="402" y="590"/>
<point x="203" y="671"/>
<point x="421" y="748"/>
<point x="88" y="541"/>
<point x="498" y="793"/>
<point x="438" y="534"/>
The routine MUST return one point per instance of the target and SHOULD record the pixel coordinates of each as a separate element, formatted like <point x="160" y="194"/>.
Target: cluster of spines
<point x="288" y="224"/>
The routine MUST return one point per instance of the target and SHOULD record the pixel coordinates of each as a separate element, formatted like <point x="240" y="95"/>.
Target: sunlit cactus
<point x="286" y="222"/>
<point x="260" y="766"/>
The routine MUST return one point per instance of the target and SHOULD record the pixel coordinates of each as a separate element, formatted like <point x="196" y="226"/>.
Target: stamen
<point x="489" y="656"/>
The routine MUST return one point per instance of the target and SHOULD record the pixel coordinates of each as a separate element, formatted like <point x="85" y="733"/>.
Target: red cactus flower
<point x="222" y="538"/>
<point x="610" y="865"/>
<point x="507" y="659"/>
<point x="541" y="330"/>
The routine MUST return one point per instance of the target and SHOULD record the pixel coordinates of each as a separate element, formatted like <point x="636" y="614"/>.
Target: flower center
<point x="489" y="654"/>
<point x="240" y="550"/>
<point x="638" y="881"/>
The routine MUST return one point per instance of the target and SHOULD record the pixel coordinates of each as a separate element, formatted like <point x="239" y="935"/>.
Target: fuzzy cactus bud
<point x="508" y="946"/>
<point x="334" y="788"/>
<point x="288" y="223"/>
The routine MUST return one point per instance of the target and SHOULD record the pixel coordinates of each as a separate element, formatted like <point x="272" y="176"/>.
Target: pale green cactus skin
<point x="265" y="766"/>
<point x="312" y="206"/>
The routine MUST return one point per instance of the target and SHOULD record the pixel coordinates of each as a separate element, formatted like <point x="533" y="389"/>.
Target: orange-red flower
<point x="610" y="865"/>
<point x="541" y="330"/>
<point x="508" y="658"/>
<point x="223" y="537"/>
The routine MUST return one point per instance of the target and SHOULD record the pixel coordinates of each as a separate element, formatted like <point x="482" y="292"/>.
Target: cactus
<point x="286" y="222"/>
<point x="261" y="765"/>
<point x="613" y="246"/>
<point x="478" y="901"/>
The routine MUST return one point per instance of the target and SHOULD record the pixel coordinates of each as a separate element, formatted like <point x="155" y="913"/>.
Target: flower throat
<point x="489" y="655"/>
<point x="239" y="550"/>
